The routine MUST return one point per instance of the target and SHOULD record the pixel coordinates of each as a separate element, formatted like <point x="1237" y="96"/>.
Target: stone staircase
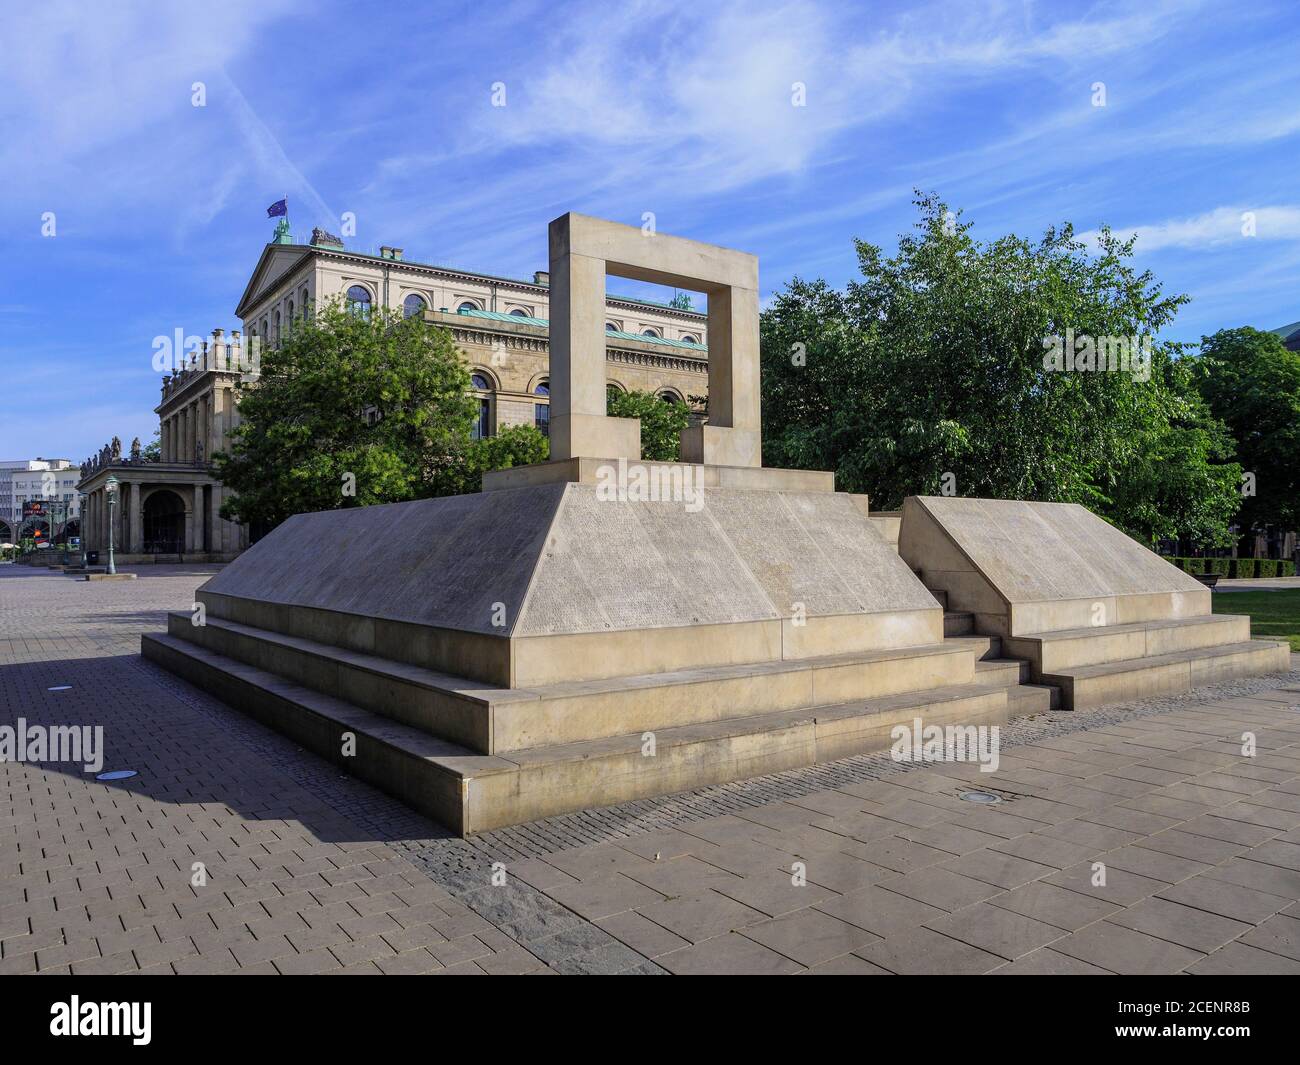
<point x="477" y="757"/>
<point x="1119" y="663"/>
<point x="1087" y="667"/>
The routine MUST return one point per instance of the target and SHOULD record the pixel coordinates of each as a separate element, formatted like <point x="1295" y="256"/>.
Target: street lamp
<point x="110" y="489"/>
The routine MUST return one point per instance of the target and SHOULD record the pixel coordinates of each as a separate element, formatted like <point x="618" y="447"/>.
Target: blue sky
<point x="613" y="109"/>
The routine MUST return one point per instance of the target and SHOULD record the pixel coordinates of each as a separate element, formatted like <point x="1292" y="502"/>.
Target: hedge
<point x="1235" y="567"/>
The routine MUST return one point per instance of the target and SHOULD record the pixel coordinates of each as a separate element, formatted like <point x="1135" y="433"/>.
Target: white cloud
<point x="1222" y="226"/>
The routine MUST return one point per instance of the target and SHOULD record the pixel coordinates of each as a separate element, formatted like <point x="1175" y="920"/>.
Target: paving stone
<point x="847" y="965"/>
<point x="602" y="896"/>
<point x="774" y="893"/>
<point x="726" y="955"/>
<point x="1000" y="870"/>
<point x="998" y="931"/>
<point x="809" y="937"/>
<point x="1058" y="906"/>
<point x="1280" y="935"/>
<point x="1239" y="959"/>
<point x="1047" y="962"/>
<point x="1225" y="899"/>
<point x="921" y="951"/>
<point x="1117" y="885"/>
<point x="642" y="934"/>
<point x="940" y="887"/>
<point x="1180" y="924"/>
<point x="697" y="917"/>
<point x="881" y="911"/>
<point x="1126" y="951"/>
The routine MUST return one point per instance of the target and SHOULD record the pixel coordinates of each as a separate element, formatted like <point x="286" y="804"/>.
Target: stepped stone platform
<point x="1094" y="613"/>
<point x="539" y="649"/>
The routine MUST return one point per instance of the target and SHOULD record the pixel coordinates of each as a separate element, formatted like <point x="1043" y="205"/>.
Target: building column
<point x="201" y="524"/>
<point x="166" y="440"/>
<point x="213" y="495"/>
<point x="135" y="536"/>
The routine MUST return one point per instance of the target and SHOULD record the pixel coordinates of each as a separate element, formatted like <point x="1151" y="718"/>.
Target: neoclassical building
<point x="499" y="323"/>
<point x="170" y="506"/>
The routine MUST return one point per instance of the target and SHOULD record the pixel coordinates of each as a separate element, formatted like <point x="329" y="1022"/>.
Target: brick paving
<point x="858" y="866"/>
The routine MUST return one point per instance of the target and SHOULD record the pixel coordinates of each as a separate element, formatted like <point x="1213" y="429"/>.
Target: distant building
<point x="499" y="323"/>
<point x="170" y="506"/>
<point x="49" y="481"/>
<point x="1290" y="335"/>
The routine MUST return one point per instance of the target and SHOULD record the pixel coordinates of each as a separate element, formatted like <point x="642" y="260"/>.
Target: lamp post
<point x="110" y="489"/>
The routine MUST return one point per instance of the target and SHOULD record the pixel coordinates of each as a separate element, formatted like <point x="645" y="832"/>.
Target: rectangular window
<point x="542" y="417"/>
<point x="483" y="423"/>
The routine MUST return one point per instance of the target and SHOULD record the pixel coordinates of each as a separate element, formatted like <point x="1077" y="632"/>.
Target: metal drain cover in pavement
<point x="116" y="774"/>
<point x="980" y="796"/>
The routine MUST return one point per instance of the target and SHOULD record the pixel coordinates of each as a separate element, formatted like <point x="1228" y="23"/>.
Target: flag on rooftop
<point x="279" y="208"/>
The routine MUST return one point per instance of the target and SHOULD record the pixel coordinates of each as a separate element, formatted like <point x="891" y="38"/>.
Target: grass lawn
<point x="1275" y="615"/>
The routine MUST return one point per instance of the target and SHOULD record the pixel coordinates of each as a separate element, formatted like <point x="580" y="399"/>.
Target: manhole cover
<point x="116" y="774"/>
<point x="980" y="796"/>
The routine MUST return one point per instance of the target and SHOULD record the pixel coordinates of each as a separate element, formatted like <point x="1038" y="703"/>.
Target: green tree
<point x="1252" y="381"/>
<point x="152" y="451"/>
<point x="517" y="445"/>
<point x="348" y="410"/>
<point x="662" y="422"/>
<point x="931" y="370"/>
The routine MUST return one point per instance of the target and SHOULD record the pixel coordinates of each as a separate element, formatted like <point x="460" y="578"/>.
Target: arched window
<point x="302" y="300"/>
<point x="467" y="305"/>
<point x="266" y="331"/>
<point x="670" y="397"/>
<point x="413" y="305"/>
<point x="690" y="339"/>
<point x="648" y="332"/>
<point x="480" y="382"/>
<point x="519" y="312"/>
<point x="610" y="327"/>
<point x="542" y="411"/>
<point x="291" y="312"/>
<point x="277" y="327"/>
<point x="359" y="299"/>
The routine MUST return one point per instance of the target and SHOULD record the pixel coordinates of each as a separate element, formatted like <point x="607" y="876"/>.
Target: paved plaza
<point x="234" y="851"/>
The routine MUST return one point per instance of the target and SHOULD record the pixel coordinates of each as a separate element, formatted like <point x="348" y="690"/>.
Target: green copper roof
<point x="519" y="319"/>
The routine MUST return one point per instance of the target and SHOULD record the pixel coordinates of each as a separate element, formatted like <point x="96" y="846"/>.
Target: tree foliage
<point x="516" y="445"/>
<point x="662" y="422"/>
<point x="348" y="410"/>
<point x="930" y="372"/>
<point x="1252" y="382"/>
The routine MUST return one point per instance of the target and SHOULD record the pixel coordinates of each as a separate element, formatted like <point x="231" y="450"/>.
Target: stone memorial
<point x="597" y="628"/>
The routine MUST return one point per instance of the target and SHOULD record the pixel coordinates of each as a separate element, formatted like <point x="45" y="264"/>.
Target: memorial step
<point x="471" y="792"/>
<point x="1153" y="675"/>
<point x="1051" y="652"/>
<point x="490" y="719"/>
<point x="958" y="622"/>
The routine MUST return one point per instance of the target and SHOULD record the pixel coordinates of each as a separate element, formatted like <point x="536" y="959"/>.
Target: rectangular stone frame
<point x="583" y="251"/>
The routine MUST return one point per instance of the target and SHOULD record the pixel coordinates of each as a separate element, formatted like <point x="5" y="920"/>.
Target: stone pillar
<point x="135" y="535"/>
<point x="214" y="518"/>
<point x="582" y="251"/>
<point x="200" y="524"/>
